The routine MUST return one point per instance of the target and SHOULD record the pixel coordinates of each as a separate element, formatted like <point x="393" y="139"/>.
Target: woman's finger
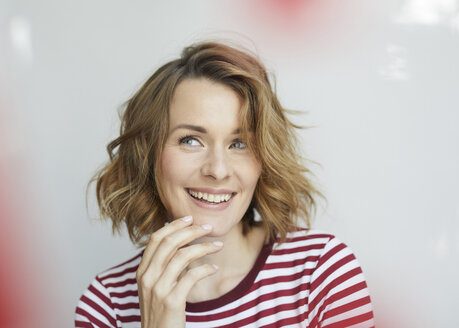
<point x="182" y="258"/>
<point x="157" y="237"/>
<point x="169" y="245"/>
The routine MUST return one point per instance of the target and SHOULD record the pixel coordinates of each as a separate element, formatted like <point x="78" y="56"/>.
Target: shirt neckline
<point x="238" y="291"/>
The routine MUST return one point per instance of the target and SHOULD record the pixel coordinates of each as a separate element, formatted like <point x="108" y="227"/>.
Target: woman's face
<point x="206" y="169"/>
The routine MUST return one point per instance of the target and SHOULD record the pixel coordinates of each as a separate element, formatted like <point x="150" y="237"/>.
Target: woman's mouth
<point x="209" y="197"/>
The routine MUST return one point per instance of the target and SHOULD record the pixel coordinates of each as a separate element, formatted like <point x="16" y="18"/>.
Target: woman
<point x="204" y="143"/>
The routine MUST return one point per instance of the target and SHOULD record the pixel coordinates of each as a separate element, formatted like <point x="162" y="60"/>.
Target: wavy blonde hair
<point x="127" y="186"/>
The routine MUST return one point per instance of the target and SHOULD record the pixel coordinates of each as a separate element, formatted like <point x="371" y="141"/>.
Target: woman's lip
<point x="212" y="191"/>
<point x="210" y="206"/>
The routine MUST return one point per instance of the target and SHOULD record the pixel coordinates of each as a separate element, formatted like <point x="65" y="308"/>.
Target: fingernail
<point x="215" y="266"/>
<point x="187" y="218"/>
<point x="218" y="243"/>
<point x="206" y="227"/>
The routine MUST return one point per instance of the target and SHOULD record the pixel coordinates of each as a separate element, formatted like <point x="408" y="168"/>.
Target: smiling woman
<point x="203" y="144"/>
<point x="207" y="156"/>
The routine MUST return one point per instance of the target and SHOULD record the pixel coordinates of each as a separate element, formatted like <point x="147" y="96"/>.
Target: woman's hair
<point x="127" y="186"/>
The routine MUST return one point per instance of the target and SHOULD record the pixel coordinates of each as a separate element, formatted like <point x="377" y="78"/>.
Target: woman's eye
<point x="238" y="144"/>
<point x="190" y="141"/>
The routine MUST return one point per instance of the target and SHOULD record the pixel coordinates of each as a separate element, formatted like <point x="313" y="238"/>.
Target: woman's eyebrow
<point x="197" y="128"/>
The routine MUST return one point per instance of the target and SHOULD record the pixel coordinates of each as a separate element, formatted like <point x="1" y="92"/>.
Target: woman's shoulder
<point x="121" y="271"/>
<point x="336" y="284"/>
<point x="112" y="295"/>
<point x="121" y="278"/>
<point x="316" y="247"/>
<point x="300" y="236"/>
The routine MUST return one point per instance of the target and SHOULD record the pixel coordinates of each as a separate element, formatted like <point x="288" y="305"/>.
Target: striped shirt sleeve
<point x="95" y="309"/>
<point x="339" y="295"/>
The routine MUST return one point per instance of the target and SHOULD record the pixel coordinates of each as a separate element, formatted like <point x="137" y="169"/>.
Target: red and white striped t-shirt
<point x="311" y="280"/>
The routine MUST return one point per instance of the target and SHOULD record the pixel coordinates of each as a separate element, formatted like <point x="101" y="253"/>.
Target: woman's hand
<point x="162" y="292"/>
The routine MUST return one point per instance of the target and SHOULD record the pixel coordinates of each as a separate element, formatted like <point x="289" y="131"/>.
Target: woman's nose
<point x="217" y="165"/>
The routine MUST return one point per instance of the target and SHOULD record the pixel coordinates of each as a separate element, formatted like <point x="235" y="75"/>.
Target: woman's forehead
<point x="200" y="102"/>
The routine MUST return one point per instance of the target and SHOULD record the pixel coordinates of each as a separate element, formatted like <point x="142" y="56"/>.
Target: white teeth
<point x="210" y="197"/>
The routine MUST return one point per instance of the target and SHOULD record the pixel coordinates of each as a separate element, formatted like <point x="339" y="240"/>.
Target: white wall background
<point x="380" y="80"/>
